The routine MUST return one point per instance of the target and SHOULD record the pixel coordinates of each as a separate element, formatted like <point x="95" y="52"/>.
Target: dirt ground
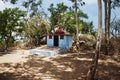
<point x="20" y="65"/>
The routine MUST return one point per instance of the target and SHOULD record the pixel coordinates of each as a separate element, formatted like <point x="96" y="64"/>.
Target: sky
<point x="90" y="8"/>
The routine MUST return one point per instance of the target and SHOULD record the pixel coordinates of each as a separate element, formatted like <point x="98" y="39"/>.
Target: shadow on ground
<point x="69" y="66"/>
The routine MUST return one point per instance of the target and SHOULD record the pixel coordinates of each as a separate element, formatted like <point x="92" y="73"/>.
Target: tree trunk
<point x="76" y="15"/>
<point x="107" y="6"/>
<point x="108" y="23"/>
<point x="92" y="71"/>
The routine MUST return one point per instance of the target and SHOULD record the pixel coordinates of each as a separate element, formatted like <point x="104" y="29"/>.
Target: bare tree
<point x="108" y="7"/>
<point x="108" y="23"/>
<point x="92" y="71"/>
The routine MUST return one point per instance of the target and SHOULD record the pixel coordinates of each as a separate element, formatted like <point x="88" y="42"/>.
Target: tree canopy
<point x="11" y="24"/>
<point x="64" y="16"/>
<point x="12" y="1"/>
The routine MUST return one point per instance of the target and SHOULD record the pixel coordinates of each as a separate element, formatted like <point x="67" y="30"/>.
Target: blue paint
<point x="50" y="42"/>
<point x="47" y="53"/>
<point x="65" y="43"/>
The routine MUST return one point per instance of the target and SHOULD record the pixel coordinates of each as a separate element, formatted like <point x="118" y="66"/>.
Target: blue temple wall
<point x="65" y="43"/>
<point x="50" y="42"/>
<point x="62" y="42"/>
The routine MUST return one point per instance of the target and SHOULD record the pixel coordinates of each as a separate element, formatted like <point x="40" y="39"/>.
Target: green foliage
<point x="36" y="29"/>
<point x="34" y="22"/>
<point x="57" y="14"/>
<point x="61" y="16"/>
<point x="11" y="23"/>
<point x="69" y="22"/>
<point x="2" y="44"/>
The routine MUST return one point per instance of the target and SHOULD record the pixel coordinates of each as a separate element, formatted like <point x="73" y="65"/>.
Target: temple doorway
<point x="56" y="41"/>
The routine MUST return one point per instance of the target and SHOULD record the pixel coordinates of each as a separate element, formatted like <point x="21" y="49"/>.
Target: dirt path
<point x="69" y="66"/>
<point x="15" y="56"/>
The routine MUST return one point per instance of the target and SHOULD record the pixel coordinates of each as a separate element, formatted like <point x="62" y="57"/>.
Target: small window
<point x="61" y="36"/>
<point x="50" y="36"/>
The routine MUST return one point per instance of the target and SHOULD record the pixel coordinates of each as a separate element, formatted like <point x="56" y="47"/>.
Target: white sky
<point x="89" y="2"/>
<point x="3" y="6"/>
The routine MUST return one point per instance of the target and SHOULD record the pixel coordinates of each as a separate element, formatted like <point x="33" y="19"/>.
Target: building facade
<point x="59" y="39"/>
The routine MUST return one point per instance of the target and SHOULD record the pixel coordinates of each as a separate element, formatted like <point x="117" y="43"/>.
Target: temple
<point x="59" y="39"/>
<point x="57" y="42"/>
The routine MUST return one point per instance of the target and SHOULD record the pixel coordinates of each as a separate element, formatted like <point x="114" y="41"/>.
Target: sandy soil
<point x="68" y="66"/>
<point x="15" y="56"/>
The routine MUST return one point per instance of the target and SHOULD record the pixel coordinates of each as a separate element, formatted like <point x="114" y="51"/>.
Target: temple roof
<point x="59" y="31"/>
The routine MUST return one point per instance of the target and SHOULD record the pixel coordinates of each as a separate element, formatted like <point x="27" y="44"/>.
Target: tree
<point x="36" y="31"/>
<point x="115" y="3"/>
<point x="108" y="5"/>
<point x="76" y="14"/>
<point x="66" y="19"/>
<point x="115" y="28"/>
<point x="32" y="7"/>
<point x="70" y="22"/>
<point x="53" y="17"/>
<point x="11" y="1"/>
<point x="12" y="23"/>
<point x="57" y="14"/>
<point x="108" y="23"/>
<point x="61" y="8"/>
<point x="92" y="71"/>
